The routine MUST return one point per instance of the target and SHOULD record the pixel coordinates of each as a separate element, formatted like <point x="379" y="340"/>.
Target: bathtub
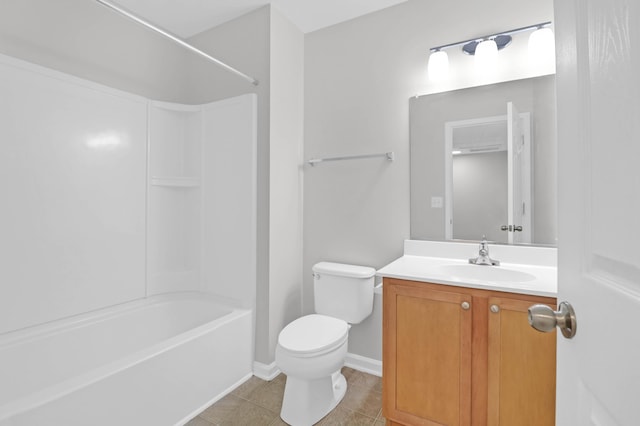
<point x="154" y="361"/>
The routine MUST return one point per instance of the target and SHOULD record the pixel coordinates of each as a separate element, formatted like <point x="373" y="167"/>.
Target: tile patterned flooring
<point x="257" y="402"/>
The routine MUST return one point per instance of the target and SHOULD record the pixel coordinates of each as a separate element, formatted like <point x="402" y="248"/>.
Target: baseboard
<point x="364" y="364"/>
<point x="265" y="371"/>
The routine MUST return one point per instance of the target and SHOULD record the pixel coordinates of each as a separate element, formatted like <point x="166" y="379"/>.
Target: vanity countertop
<point x="514" y="275"/>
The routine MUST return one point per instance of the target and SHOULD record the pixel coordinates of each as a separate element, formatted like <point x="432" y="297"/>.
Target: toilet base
<point x="307" y="401"/>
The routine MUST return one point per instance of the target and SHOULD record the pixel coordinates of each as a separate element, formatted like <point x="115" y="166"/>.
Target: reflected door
<point x="488" y="178"/>
<point x="519" y="176"/>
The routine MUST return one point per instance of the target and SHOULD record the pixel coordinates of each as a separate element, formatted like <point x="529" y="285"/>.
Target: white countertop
<point x="427" y="265"/>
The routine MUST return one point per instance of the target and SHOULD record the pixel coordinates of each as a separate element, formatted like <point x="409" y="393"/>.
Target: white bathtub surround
<point x="155" y="361"/>
<point x="72" y="167"/>
<point x="202" y="198"/>
<point x="110" y="199"/>
<point x="93" y="175"/>
<point x="444" y="262"/>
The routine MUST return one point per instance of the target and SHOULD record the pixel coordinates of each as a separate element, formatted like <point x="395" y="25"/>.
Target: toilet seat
<point x="313" y="335"/>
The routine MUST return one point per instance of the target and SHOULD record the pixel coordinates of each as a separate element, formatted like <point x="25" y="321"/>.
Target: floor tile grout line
<point x="246" y="400"/>
<point x="257" y="404"/>
<point x="358" y="412"/>
<point x="206" y="420"/>
<point x="369" y="388"/>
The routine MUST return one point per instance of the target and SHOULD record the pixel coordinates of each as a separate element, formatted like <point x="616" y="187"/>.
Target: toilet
<point x="311" y="350"/>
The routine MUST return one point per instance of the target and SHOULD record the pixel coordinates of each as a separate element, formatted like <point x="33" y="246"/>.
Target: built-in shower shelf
<point x="176" y="181"/>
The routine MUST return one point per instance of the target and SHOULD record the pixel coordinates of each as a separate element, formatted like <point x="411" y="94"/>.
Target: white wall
<point x="359" y="76"/>
<point x="285" y="175"/>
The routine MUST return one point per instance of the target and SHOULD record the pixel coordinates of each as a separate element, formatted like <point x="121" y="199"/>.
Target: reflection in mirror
<point x="478" y="172"/>
<point x="483" y="162"/>
<point x="488" y="178"/>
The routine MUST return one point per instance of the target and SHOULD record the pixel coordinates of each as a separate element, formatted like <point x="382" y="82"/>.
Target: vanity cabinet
<point x="462" y="356"/>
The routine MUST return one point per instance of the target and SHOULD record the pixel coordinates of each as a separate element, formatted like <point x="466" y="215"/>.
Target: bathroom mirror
<point x="483" y="162"/>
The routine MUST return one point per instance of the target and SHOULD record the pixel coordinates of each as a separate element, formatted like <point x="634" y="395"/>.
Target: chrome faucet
<point x="483" y="255"/>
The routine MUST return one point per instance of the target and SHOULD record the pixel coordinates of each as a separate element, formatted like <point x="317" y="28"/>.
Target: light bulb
<point x="438" y="66"/>
<point x="486" y="55"/>
<point x="542" y="48"/>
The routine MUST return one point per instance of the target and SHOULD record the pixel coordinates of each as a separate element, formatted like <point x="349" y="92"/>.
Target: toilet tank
<point x="343" y="291"/>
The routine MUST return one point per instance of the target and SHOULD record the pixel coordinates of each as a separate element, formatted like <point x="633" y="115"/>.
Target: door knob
<point x="545" y="319"/>
<point x="511" y="228"/>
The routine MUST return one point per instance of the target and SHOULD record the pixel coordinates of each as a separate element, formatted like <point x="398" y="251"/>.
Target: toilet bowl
<point x="311" y="350"/>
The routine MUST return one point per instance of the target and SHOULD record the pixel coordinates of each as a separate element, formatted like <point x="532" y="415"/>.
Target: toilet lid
<point x="313" y="333"/>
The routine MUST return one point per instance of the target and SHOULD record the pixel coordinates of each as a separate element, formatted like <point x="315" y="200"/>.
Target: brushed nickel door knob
<point x="545" y="319"/>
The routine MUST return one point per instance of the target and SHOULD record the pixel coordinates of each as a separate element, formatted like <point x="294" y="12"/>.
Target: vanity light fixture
<point x="485" y="54"/>
<point x="485" y="49"/>
<point x="542" y="46"/>
<point x="438" y="66"/>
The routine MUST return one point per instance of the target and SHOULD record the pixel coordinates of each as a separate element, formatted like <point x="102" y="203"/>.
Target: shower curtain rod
<point x="177" y="40"/>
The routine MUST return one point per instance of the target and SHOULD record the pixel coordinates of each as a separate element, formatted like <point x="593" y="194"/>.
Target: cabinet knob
<point x="495" y="309"/>
<point x="465" y="305"/>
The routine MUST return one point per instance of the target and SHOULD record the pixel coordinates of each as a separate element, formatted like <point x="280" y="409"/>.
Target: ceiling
<point x="186" y="18"/>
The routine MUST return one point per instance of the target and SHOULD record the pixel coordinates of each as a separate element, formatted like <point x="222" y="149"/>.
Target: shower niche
<point x="174" y="197"/>
<point x="175" y="132"/>
<point x="201" y="192"/>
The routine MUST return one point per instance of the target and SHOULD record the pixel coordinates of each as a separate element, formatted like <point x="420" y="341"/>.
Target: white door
<point x="518" y="176"/>
<point x="598" y="92"/>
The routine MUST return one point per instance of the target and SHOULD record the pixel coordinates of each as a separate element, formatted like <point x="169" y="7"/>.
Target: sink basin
<point x="484" y="273"/>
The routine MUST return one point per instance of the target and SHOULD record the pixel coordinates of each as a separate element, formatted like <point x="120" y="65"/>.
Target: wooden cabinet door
<point x="426" y="355"/>
<point x="521" y="366"/>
